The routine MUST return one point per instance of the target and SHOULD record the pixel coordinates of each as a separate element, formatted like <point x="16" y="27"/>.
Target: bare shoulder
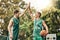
<point x="11" y="20"/>
<point x="10" y="23"/>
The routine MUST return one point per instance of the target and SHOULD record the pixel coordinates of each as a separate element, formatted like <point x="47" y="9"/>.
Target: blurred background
<point x="50" y="13"/>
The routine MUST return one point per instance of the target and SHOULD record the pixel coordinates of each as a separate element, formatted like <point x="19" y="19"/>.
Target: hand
<point x="11" y="36"/>
<point x="28" y="5"/>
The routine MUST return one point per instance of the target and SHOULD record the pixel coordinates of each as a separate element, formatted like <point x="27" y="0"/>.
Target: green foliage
<point x="58" y="4"/>
<point x="52" y="18"/>
<point x="53" y="21"/>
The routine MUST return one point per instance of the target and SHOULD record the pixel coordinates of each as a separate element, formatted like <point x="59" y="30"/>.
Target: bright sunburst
<point x="39" y="4"/>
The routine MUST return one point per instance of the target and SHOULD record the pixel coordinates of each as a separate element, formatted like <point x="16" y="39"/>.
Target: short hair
<point x="39" y="14"/>
<point x="16" y="11"/>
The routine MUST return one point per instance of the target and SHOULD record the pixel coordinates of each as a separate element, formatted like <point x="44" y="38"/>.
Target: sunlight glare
<point x="39" y="4"/>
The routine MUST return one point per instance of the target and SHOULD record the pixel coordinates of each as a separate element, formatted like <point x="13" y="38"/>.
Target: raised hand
<point x="28" y="6"/>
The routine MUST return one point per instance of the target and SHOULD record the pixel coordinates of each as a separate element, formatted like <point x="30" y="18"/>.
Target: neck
<point x="37" y="18"/>
<point x="15" y="16"/>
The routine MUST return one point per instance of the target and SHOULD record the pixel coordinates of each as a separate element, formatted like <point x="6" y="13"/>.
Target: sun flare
<point x="39" y="4"/>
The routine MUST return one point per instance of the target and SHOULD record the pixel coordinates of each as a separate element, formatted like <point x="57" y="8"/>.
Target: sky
<point x="39" y="4"/>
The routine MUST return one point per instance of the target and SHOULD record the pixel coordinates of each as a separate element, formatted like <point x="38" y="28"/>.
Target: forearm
<point x="10" y="33"/>
<point x="46" y="28"/>
<point x="9" y="29"/>
<point x="24" y="12"/>
<point x="30" y="13"/>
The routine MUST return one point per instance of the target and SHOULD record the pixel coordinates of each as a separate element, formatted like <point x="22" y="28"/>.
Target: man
<point x="13" y="27"/>
<point x="38" y="24"/>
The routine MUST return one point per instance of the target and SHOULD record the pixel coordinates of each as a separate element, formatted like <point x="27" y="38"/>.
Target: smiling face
<point x="38" y="14"/>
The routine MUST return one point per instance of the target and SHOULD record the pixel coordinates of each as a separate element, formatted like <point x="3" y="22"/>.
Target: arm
<point x="23" y="12"/>
<point x="46" y="27"/>
<point x="30" y="13"/>
<point x="10" y="26"/>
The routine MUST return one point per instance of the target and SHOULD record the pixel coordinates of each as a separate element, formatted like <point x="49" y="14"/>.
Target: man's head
<point x="16" y="13"/>
<point x="38" y="14"/>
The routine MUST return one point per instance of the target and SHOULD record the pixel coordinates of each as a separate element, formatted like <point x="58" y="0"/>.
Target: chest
<point x="16" y="21"/>
<point x="38" y="22"/>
